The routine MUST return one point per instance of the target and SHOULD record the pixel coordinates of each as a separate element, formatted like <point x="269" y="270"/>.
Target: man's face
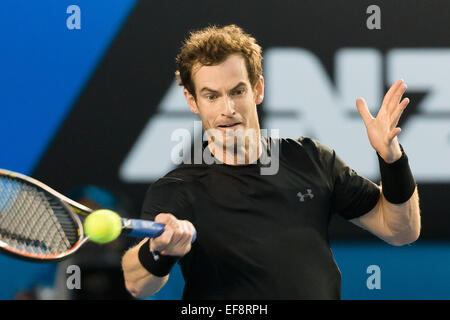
<point x="225" y="99"/>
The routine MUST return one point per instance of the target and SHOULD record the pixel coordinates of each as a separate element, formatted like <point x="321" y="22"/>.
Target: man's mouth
<point x="229" y="125"/>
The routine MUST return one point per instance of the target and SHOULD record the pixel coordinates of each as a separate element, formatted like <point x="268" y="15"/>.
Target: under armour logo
<point x="302" y="196"/>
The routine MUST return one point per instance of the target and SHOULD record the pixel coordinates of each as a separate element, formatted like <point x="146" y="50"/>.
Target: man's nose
<point x="228" y="106"/>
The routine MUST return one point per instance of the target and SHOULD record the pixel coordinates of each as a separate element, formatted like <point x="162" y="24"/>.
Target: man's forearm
<point x="403" y="220"/>
<point x="138" y="281"/>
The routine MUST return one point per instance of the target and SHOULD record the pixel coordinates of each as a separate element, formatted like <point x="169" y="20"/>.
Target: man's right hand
<point x="177" y="236"/>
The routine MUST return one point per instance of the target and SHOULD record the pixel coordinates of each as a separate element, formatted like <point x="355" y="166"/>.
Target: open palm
<point x="382" y="130"/>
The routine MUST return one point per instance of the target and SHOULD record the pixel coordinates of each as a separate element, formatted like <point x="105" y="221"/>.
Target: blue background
<point x="418" y="271"/>
<point x="44" y="67"/>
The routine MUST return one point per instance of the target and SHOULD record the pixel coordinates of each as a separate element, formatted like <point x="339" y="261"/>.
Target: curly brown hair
<point x="211" y="46"/>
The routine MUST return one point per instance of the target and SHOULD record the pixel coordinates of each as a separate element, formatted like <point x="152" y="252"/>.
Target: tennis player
<point x="264" y="236"/>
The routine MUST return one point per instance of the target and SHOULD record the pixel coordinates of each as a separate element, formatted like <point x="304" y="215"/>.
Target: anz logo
<point x="302" y="100"/>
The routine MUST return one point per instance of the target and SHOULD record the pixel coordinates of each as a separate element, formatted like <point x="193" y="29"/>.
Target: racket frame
<point x="73" y="208"/>
<point x="133" y="227"/>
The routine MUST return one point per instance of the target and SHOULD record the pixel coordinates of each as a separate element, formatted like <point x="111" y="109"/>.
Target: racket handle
<point x="145" y="229"/>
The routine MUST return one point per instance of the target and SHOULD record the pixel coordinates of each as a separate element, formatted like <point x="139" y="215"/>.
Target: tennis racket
<point x="37" y="223"/>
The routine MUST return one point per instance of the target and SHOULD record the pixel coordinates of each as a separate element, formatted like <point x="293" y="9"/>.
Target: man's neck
<point x="243" y="154"/>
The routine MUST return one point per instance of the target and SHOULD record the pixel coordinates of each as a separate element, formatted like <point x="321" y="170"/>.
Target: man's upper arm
<point x="352" y="194"/>
<point x="355" y="198"/>
<point x="376" y="220"/>
<point x="373" y="221"/>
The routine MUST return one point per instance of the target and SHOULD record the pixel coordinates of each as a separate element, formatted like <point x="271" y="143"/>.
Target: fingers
<point x="183" y="237"/>
<point x="392" y="91"/>
<point x="363" y="111"/>
<point x="176" y="238"/>
<point x="161" y="242"/>
<point x="394" y="132"/>
<point x="399" y="93"/>
<point x="393" y="96"/>
<point x="397" y="113"/>
<point x="165" y="218"/>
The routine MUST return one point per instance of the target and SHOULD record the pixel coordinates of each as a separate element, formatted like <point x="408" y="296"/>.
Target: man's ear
<point x="191" y="101"/>
<point x="259" y="90"/>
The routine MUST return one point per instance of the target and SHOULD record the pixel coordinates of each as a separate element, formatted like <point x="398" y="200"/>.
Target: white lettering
<point x="302" y="100"/>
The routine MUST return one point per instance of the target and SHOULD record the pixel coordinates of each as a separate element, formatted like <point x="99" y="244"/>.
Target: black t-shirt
<point x="263" y="236"/>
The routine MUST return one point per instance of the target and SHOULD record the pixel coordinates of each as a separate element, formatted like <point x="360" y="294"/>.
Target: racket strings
<point x="27" y="229"/>
<point x="19" y="223"/>
<point x="33" y="221"/>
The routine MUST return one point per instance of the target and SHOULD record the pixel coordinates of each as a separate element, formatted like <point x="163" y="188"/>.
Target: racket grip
<point x="138" y="228"/>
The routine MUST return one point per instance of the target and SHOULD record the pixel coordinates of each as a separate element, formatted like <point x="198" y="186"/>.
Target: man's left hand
<point x="382" y="130"/>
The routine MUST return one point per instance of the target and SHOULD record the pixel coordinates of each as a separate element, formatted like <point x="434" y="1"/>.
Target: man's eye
<point x="238" y="92"/>
<point x="211" y="97"/>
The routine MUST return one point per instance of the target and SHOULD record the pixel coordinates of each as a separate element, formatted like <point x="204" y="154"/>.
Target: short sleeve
<point x="168" y="195"/>
<point x="353" y="195"/>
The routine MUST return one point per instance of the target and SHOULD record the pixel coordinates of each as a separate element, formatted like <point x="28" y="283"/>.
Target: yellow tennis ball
<point x="103" y="226"/>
